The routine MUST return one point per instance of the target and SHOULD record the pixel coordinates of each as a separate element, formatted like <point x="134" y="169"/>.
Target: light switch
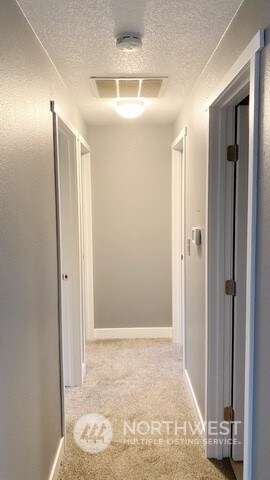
<point x="196" y="236"/>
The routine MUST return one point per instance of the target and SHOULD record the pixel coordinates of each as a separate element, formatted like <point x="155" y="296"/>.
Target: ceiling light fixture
<point x="129" y="108"/>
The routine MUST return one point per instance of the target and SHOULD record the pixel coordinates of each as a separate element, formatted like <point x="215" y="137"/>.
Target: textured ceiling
<point x="179" y="37"/>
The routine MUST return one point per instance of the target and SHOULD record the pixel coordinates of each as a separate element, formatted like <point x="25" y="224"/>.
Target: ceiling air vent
<point x="108" y="87"/>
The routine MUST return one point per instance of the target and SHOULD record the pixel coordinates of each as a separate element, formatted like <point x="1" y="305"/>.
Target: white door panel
<point x="70" y="256"/>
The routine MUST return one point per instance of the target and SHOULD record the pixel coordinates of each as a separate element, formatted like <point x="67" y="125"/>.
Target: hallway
<point x="135" y="198"/>
<point x="135" y="381"/>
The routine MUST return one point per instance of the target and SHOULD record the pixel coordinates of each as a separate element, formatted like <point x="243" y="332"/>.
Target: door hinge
<point x="232" y="153"/>
<point x="230" y="287"/>
<point x="228" y="414"/>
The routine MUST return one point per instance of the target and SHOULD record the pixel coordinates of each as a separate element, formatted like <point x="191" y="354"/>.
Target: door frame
<point x="85" y="155"/>
<point x="242" y="79"/>
<point x="82" y="147"/>
<point x="178" y="238"/>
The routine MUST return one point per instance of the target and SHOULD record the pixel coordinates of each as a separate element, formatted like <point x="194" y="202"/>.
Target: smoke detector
<point x="129" y="42"/>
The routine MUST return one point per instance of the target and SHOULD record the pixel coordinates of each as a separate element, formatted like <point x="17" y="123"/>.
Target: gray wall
<point x="131" y="184"/>
<point x="29" y="373"/>
<point x="251" y="16"/>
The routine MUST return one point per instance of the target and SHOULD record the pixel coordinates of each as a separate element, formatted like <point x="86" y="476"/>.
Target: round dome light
<point x="129" y="108"/>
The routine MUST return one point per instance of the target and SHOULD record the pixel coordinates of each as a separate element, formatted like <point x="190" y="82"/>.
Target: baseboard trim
<point x="194" y="401"/>
<point x="83" y="370"/>
<point x="144" y="332"/>
<point x="57" y="461"/>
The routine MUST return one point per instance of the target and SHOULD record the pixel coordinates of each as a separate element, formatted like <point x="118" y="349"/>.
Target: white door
<point x="70" y="256"/>
<point x="240" y="263"/>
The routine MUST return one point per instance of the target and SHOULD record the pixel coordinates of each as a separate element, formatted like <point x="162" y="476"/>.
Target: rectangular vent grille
<point x="129" y="88"/>
<point x="108" y="87"/>
<point x="151" y="88"/>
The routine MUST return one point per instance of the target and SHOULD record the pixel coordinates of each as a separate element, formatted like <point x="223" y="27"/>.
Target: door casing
<point x="241" y="80"/>
<point x="87" y="237"/>
<point x="86" y="274"/>
<point x="178" y="238"/>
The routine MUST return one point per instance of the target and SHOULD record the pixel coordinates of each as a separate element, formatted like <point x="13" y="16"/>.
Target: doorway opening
<point x="230" y="264"/>
<point x="236" y="191"/>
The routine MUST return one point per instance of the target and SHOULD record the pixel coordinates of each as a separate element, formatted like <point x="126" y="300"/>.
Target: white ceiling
<point x="179" y="37"/>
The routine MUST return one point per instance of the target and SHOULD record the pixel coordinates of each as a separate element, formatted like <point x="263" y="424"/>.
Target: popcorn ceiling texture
<point x="134" y="380"/>
<point x="179" y="37"/>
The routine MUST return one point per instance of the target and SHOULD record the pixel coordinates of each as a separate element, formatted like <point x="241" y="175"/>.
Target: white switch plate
<point x="196" y="236"/>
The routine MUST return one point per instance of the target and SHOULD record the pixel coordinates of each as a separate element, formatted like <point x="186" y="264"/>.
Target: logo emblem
<point x="93" y="433"/>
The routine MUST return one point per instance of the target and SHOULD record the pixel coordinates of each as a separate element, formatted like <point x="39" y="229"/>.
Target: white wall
<point x="252" y="16"/>
<point x="29" y="353"/>
<point x="131" y="185"/>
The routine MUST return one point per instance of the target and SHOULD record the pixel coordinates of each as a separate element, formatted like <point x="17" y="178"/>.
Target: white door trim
<point x="55" y="109"/>
<point x="58" y="115"/>
<point x="242" y="77"/>
<point x="60" y="325"/>
<point x="88" y="239"/>
<point x="178" y="237"/>
<point x="80" y="350"/>
<point x="256" y="44"/>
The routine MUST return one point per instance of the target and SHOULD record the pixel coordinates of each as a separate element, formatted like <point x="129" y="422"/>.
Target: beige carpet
<point x="134" y="380"/>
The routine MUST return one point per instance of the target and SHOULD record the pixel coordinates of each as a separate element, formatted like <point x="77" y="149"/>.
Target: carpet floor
<point x="136" y="381"/>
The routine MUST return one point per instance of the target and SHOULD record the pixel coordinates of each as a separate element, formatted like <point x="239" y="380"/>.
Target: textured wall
<point x="131" y="181"/>
<point x="251" y="16"/>
<point x="29" y="358"/>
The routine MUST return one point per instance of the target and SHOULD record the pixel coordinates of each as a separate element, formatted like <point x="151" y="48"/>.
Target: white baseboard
<point x="83" y="371"/>
<point x="144" y="332"/>
<point x="57" y="461"/>
<point x="194" y="401"/>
